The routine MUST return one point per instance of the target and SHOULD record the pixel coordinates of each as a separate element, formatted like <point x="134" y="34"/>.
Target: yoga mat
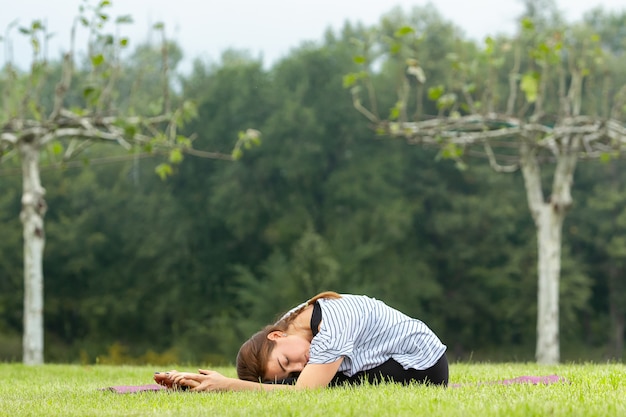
<point x="130" y="389"/>
<point x="526" y="379"/>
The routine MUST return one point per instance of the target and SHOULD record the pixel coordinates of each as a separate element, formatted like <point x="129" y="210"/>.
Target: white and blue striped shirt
<point x="366" y="333"/>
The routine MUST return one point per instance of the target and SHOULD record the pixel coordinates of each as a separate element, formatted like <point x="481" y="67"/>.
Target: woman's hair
<point x="255" y="352"/>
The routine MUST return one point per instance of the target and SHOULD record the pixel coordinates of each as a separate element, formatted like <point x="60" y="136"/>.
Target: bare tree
<point x="60" y="130"/>
<point x="539" y="118"/>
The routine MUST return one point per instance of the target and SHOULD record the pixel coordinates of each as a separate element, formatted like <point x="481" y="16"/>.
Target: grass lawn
<point x="73" y="390"/>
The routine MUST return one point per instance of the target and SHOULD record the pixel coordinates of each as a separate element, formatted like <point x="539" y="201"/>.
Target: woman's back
<point x="367" y="332"/>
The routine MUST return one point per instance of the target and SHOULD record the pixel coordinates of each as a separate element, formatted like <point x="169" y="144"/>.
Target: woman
<point x="329" y="340"/>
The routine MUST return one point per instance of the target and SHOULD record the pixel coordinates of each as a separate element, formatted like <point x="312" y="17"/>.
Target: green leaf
<point x="97" y="60"/>
<point x="124" y="42"/>
<point x="130" y="130"/>
<point x="394" y="114"/>
<point x="350" y="79"/>
<point x="183" y="141"/>
<point x="489" y="45"/>
<point x="527" y="24"/>
<point x="189" y="110"/>
<point x="88" y="91"/>
<point x="605" y="157"/>
<point x="403" y="31"/>
<point x="163" y="170"/>
<point x="35" y="44"/>
<point x="451" y="151"/>
<point x="434" y="93"/>
<point x="57" y="148"/>
<point x="359" y="59"/>
<point x="79" y="111"/>
<point x="237" y="154"/>
<point x="176" y="156"/>
<point x="530" y="86"/>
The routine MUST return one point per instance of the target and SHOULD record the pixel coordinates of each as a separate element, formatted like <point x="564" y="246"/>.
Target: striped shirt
<point x="366" y="333"/>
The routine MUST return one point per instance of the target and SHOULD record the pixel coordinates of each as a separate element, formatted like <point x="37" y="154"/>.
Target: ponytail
<point x="290" y="316"/>
<point x="326" y="294"/>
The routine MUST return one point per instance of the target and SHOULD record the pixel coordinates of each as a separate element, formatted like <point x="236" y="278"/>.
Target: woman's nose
<point x="298" y="366"/>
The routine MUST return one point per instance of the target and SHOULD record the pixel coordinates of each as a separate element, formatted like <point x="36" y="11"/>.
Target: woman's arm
<point x="207" y="380"/>
<point x="214" y="381"/>
<point x="312" y="376"/>
<point x="317" y="375"/>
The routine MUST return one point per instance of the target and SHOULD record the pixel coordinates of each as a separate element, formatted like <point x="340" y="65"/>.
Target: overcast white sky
<point x="267" y="28"/>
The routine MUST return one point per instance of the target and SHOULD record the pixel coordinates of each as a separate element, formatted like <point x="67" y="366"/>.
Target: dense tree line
<point x="188" y="267"/>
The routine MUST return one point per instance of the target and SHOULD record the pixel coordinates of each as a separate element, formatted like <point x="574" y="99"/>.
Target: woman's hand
<point x="163" y="378"/>
<point x="205" y="380"/>
<point x="174" y="379"/>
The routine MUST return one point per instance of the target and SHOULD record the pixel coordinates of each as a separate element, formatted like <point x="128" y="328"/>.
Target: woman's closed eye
<point x="283" y="365"/>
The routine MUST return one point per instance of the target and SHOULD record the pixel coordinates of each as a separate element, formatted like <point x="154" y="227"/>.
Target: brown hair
<point x="255" y="352"/>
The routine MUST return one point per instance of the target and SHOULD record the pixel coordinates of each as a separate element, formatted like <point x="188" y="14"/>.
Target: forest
<point x="144" y="269"/>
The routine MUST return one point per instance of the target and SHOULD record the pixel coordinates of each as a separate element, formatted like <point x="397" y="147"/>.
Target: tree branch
<point x="532" y="179"/>
<point x="494" y="163"/>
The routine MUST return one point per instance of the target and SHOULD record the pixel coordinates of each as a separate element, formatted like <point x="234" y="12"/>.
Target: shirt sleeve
<point x="335" y="339"/>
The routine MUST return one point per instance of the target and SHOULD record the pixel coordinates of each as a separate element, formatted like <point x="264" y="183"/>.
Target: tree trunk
<point x="33" y="211"/>
<point x="548" y="216"/>
<point x="549" y="228"/>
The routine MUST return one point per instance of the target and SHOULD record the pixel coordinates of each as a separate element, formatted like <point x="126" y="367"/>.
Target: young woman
<point x="329" y="340"/>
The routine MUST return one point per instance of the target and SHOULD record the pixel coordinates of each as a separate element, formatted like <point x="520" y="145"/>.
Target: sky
<point x="268" y="29"/>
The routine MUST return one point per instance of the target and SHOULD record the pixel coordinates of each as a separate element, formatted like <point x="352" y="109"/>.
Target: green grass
<point x="72" y="390"/>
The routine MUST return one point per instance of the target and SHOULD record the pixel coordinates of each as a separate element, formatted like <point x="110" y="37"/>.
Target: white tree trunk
<point x="549" y="226"/>
<point x="33" y="211"/>
<point x="548" y="216"/>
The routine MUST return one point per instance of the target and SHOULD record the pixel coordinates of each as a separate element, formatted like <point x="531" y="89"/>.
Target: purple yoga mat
<point x="526" y="379"/>
<point x="129" y="389"/>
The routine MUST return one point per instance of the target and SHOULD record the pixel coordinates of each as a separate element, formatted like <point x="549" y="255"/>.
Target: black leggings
<point x="392" y="371"/>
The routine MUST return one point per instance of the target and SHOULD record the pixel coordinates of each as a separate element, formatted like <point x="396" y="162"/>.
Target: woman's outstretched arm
<point x="312" y="376"/>
<point x="207" y="380"/>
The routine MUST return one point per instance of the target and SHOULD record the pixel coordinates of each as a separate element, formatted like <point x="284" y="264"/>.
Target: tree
<point x="555" y="105"/>
<point x="55" y="132"/>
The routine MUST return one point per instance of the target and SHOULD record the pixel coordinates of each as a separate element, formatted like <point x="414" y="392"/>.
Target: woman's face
<point x="290" y="355"/>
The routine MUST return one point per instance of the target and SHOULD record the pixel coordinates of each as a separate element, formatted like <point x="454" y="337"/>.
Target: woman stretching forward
<point x="329" y="340"/>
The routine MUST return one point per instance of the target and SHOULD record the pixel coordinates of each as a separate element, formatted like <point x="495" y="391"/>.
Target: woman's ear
<point x="275" y="335"/>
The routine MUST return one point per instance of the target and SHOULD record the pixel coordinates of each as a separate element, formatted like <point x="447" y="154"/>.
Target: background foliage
<point x="138" y="269"/>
